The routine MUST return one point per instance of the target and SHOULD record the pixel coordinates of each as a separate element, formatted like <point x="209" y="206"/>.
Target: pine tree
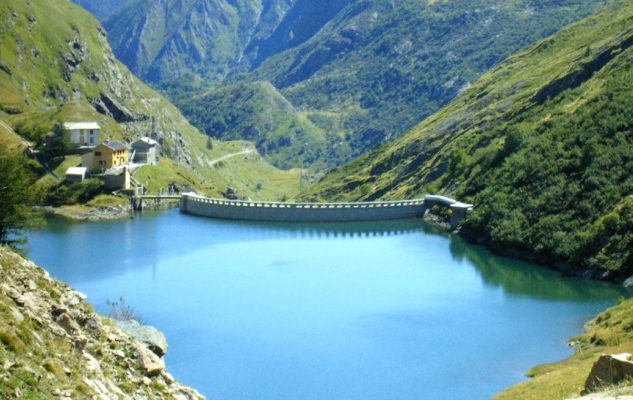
<point x="17" y="197"/>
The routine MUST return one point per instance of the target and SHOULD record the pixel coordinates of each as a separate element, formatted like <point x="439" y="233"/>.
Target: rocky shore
<point x="54" y="346"/>
<point x="86" y="213"/>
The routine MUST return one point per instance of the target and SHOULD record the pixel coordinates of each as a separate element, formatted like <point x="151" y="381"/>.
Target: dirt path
<point x="226" y="157"/>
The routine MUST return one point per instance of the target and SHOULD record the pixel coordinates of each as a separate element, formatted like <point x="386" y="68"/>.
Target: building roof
<point x="76" y="171"/>
<point x="114" y="145"/>
<point x="81" y="125"/>
<point x="145" y="140"/>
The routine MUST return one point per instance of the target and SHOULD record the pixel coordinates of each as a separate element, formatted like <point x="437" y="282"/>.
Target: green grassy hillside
<point x="611" y="332"/>
<point x="259" y="113"/>
<point x="384" y="67"/>
<point x="542" y="145"/>
<point x="374" y="68"/>
<point x="56" y="66"/>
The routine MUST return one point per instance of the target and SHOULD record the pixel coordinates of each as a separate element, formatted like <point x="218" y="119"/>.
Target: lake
<point x="393" y="310"/>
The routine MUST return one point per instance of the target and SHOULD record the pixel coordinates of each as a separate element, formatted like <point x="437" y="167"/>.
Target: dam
<point x="271" y="211"/>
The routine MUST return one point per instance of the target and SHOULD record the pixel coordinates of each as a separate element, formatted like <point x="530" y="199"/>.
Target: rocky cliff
<point x="53" y="345"/>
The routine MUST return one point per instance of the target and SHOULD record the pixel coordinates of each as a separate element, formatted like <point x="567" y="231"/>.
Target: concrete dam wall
<point x="309" y="212"/>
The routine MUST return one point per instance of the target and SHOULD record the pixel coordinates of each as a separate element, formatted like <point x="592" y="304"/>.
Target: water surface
<point x="364" y="311"/>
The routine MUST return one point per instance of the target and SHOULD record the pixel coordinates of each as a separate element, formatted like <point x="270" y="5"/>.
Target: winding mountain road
<point x="226" y="157"/>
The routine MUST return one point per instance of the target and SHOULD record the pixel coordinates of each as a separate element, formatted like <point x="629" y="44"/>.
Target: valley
<point x="359" y="72"/>
<point x="518" y="108"/>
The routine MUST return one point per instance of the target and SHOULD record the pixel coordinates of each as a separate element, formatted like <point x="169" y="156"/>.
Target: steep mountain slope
<point x="371" y="69"/>
<point x="56" y="65"/>
<point x="259" y="113"/>
<point x="104" y="8"/>
<point x="303" y="20"/>
<point x="167" y="40"/>
<point x="542" y="145"/>
<point x="384" y="67"/>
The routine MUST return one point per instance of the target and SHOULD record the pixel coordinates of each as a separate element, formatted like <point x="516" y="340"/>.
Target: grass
<point x="38" y="94"/>
<point x="250" y="175"/>
<point x="105" y="200"/>
<point x="611" y="332"/>
<point x="37" y="360"/>
<point x="8" y="137"/>
<point x="258" y="112"/>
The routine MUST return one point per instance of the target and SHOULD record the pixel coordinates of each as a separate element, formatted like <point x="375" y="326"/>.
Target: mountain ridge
<point x="541" y="146"/>
<point x="376" y="67"/>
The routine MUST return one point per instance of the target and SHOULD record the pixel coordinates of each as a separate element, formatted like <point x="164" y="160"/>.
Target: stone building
<point x="145" y="151"/>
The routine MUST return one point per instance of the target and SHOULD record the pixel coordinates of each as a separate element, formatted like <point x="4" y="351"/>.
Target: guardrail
<point x="301" y="212"/>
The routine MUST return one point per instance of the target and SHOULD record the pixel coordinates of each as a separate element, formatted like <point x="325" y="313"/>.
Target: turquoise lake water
<point x="389" y="311"/>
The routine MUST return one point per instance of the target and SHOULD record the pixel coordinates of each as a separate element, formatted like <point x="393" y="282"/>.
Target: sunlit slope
<point x="361" y="71"/>
<point x="542" y="145"/>
<point x="608" y="333"/>
<point x="56" y="66"/>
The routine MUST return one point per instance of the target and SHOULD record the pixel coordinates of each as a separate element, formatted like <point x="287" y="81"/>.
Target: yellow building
<point x="105" y="156"/>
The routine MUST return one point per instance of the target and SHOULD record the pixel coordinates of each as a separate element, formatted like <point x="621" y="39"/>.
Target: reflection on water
<point x="141" y="240"/>
<point x="389" y="310"/>
<point x="523" y="278"/>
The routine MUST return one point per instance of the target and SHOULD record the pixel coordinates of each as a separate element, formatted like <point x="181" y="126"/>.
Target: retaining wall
<point x="301" y="212"/>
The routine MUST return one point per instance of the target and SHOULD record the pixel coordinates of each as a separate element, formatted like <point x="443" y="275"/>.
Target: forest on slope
<point x="542" y="145"/>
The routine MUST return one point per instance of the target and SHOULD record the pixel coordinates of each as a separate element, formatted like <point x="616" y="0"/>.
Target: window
<point x="97" y="153"/>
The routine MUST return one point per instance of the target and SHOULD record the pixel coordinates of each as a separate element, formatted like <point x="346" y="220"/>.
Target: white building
<point x="83" y="133"/>
<point x="76" y="174"/>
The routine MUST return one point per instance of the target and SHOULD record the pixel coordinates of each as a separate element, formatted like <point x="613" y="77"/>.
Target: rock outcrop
<point x="151" y="337"/>
<point x="53" y="345"/>
<point x="609" y="370"/>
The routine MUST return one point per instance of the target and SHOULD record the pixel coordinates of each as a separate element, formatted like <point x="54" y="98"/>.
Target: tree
<point x="209" y="143"/>
<point x="17" y="197"/>
<point x="58" y="144"/>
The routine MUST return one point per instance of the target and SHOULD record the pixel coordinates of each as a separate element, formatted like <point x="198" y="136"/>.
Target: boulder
<point x="151" y="337"/>
<point x="68" y="323"/>
<point x="151" y="364"/>
<point x="610" y="369"/>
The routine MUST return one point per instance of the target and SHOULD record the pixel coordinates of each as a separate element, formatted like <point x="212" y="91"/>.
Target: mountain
<point x="257" y="112"/>
<point x="103" y="8"/>
<point x="56" y="66"/>
<point x="168" y="40"/>
<point x="542" y="145"/>
<point x="363" y="71"/>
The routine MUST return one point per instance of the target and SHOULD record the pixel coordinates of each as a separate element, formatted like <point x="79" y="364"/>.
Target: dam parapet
<point x="272" y="211"/>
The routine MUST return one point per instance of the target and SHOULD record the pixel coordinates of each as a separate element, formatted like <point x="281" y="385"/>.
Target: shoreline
<point x="437" y="221"/>
<point x="89" y="214"/>
<point x="85" y="213"/>
<point x="50" y="331"/>
<point x="598" y="274"/>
